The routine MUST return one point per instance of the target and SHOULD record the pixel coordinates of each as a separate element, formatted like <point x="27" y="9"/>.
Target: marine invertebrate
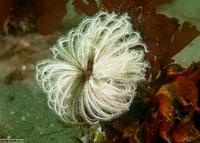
<point x="94" y="71"/>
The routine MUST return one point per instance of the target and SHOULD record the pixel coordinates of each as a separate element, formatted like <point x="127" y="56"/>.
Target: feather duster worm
<point x="95" y="69"/>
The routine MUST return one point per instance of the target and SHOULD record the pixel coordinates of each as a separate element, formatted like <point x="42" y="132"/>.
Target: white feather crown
<point x="95" y="69"/>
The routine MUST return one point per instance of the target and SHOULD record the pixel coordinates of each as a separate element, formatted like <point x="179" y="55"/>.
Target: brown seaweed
<point x="89" y="9"/>
<point x="50" y="12"/>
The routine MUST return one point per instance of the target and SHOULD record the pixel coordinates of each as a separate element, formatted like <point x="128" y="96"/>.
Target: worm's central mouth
<point x="89" y="70"/>
<point x="88" y="74"/>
